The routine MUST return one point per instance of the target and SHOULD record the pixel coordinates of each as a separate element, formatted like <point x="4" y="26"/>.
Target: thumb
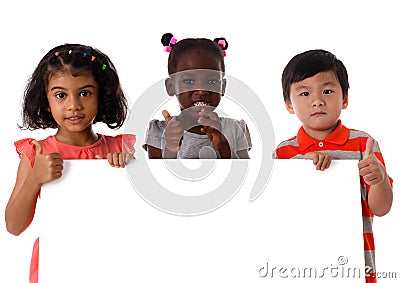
<point x="369" y="147"/>
<point x="39" y="148"/>
<point x="167" y="116"/>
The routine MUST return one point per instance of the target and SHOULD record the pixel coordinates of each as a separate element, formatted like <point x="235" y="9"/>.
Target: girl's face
<point x="195" y="59"/>
<point x="73" y="101"/>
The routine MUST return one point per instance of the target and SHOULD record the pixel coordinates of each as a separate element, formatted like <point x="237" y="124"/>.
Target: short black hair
<point x="191" y="43"/>
<point x="77" y="59"/>
<point x="310" y="63"/>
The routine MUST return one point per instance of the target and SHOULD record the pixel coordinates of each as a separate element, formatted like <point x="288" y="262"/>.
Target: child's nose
<point x="74" y="103"/>
<point x="318" y="101"/>
<point x="200" y="92"/>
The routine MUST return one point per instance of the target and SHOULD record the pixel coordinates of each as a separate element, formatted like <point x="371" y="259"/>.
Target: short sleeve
<point x="128" y="143"/>
<point x="25" y="147"/>
<point x="379" y="156"/>
<point x="246" y="132"/>
<point x="154" y="134"/>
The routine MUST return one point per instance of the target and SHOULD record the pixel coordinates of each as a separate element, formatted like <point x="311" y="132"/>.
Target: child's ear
<point x="169" y="86"/>
<point x="345" y="103"/>
<point x="223" y="87"/>
<point x="289" y="107"/>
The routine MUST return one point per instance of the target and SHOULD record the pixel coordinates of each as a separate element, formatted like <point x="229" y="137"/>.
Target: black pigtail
<point x="168" y="40"/>
<point x="223" y="43"/>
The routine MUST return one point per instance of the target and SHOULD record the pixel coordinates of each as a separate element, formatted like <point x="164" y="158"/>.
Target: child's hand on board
<point x="320" y="159"/>
<point x="47" y="167"/>
<point x="117" y="159"/>
<point x="370" y="168"/>
<point x="212" y="128"/>
<point x="173" y="133"/>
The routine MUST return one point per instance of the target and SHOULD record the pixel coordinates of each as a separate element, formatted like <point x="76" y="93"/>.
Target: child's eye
<point x="304" y="93"/>
<point x="327" y="91"/>
<point x="84" y="93"/>
<point x="213" y="82"/>
<point x="60" y="95"/>
<point x="188" y="81"/>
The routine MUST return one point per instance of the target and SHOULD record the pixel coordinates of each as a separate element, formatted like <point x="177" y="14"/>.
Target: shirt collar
<point x="339" y="136"/>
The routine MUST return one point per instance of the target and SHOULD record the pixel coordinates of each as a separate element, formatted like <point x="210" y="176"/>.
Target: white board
<point x="95" y="227"/>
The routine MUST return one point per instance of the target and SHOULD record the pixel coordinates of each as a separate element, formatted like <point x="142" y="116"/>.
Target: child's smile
<point x="197" y="80"/>
<point x="73" y="103"/>
<point x="74" y="120"/>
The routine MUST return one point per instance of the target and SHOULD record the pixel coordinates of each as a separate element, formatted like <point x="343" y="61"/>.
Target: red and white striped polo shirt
<point x="342" y="143"/>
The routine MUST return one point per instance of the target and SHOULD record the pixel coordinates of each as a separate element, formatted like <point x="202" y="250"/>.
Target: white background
<point x="262" y="39"/>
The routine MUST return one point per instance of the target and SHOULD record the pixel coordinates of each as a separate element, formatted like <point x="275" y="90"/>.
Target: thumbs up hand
<point x="166" y="116"/>
<point x="370" y="168"/>
<point x="47" y="167"/>
<point x="173" y="136"/>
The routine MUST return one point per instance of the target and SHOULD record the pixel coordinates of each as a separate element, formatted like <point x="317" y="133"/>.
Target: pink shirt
<point x="103" y="146"/>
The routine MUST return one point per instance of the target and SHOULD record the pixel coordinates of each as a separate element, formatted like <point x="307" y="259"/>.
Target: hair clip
<point x="172" y="42"/>
<point x="222" y="44"/>
<point x="104" y="67"/>
<point x="84" y="55"/>
<point x="57" y="54"/>
<point x="70" y="52"/>
<point x="93" y="57"/>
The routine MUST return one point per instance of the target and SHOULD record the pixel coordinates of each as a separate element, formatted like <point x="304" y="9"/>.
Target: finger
<point x="57" y="169"/>
<point x="210" y="123"/>
<point x="38" y="146"/>
<point x="56" y="161"/>
<point x="211" y="114"/>
<point x="54" y="156"/>
<point x="57" y="175"/>
<point x="369" y="147"/>
<point x="110" y="158"/>
<point x="370" y="179"/>
<point x="364" y="171"/>
<point x="167" y="116"/>
<point x="329" y="162"/>
<point x="116" y="159"/>
<point x="98" y="156"/>
<point x="325" y="163"/>
<point x="121" y="161"/>
<point x="318" y="161"/>
<point x="209" y="129"/>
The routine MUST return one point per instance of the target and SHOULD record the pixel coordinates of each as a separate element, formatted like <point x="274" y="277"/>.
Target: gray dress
<point x="236" y="132"/>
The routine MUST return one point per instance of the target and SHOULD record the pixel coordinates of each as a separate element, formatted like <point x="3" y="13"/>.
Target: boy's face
<point x="317" y="101"/>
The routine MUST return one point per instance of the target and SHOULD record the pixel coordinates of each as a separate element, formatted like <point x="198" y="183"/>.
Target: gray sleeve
<point x="244" y="139"/>
<point x="154" y="134"/>
<point x="237" y="134"/>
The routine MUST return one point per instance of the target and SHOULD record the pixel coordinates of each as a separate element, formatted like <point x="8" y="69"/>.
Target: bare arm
<point x="153" y="152"/>
<point x="21" y="206"/>
<point x="380" y="195"/>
